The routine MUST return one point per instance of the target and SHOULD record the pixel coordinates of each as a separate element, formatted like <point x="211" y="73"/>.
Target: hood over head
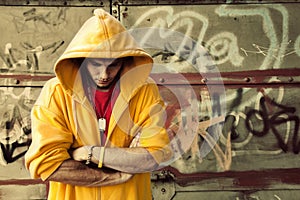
<point x="103" y="36"/>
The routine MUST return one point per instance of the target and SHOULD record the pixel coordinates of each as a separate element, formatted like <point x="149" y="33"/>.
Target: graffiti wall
<point x="262" y="114"/>
<point x="228" y="72"/>
<point x="254" y="48"/>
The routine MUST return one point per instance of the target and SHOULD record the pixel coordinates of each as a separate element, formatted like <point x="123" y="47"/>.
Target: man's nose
<point x="104" y="74"/>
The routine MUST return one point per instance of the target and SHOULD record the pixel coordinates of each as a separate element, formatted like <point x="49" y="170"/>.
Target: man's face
<point x="103" y="71"/>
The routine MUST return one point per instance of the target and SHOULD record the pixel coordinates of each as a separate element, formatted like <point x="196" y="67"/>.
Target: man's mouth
<point x="102" y="82"/>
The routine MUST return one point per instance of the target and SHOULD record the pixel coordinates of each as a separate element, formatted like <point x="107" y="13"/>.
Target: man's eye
<point x="112" y="65"/>
<point x="115" y="64"/>
<point x="95" y="64"/>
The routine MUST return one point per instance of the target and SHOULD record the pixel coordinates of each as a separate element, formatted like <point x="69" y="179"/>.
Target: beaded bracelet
<point x="90" y="155"/>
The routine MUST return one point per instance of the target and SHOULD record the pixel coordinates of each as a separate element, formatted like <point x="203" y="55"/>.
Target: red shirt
<point x="104" y="101"/>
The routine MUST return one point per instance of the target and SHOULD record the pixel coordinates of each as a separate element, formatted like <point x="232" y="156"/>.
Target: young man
<point x="98" y="126"/>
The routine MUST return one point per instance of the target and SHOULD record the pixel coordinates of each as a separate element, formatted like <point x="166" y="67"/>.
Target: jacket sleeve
<point x="51" y="137"/>
<point x="151" y="120"/>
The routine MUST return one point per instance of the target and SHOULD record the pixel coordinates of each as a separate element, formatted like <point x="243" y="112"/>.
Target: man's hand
<point x="81" y="153"/>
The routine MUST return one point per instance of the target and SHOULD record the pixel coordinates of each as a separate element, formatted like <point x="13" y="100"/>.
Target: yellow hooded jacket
<point x="63" y="118"/>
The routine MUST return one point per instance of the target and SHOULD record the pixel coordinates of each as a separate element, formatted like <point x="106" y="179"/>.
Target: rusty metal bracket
<point x="163" y="190"/>
<point x="115" y="9"/>
<point x="163" y="184"/>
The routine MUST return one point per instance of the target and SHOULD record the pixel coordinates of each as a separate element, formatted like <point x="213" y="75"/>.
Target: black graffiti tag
<point x="271" y="122"/>
<point x="12" y="140"/>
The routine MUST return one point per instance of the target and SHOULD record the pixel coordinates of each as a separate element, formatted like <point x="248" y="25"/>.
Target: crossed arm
<point x="119" y="166"/>
<point x="77" y="173"/>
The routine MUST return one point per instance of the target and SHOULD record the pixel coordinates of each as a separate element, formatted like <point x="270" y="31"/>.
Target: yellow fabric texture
<point x="63" y="118"/>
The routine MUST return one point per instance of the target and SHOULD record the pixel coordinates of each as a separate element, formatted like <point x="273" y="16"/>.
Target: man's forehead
<point x="105" y="61"/>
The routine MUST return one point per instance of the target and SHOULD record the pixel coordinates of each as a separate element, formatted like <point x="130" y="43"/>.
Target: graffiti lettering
<point x="27" y="58"/>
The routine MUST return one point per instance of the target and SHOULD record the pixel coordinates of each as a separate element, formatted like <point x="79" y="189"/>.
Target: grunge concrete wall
<point x="255" y="48"/>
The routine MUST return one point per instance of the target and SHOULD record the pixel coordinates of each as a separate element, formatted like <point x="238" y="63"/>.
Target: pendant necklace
<point x="102" y="127"/>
